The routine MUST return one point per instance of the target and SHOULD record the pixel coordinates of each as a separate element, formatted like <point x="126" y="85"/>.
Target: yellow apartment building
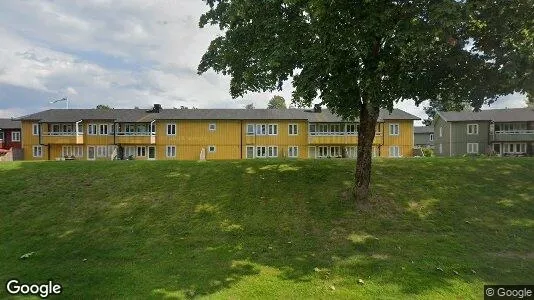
<point x="211" y="134"/>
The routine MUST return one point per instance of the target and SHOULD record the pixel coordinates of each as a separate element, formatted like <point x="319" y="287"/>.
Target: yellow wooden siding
<point x="282" y="140"/>
<point x="404" y="140"/>
<point x="132" y="139"/>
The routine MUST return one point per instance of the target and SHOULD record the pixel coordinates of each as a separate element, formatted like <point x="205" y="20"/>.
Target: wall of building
<point x="441" y="142"/>
<point x="460" y="138"/>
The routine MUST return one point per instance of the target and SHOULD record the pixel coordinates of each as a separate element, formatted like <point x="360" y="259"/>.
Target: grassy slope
<point x="268" y="228"/>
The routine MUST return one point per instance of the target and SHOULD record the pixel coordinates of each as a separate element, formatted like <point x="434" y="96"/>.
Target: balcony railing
<point x="62" y="133"/>
<point x="519" y="131"/>
<point x="337" y="133"/>
<point x="513" y="135"/>
<point x="146" y="133"/>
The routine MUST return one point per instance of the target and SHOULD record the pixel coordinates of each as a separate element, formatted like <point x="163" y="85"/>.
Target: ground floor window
<point x="293" y="151"/>
<point x="211" y="149"/>
<point x="129" y="151"/>
<point x="37" y="151"/>
<point x="514" y="148"/>
<point x="250" y="151"/>
<point x="261" y="151"/>
<point x="141" y="151"/>
<point x="394" y="151"/>
<point x="352" y="152"/>
<point x="272" y="151"/>
<point x="171" y="151"/>
<point x="69" y="151"/>
<point x="101" y="151"/>
<point x="472" y="148"/>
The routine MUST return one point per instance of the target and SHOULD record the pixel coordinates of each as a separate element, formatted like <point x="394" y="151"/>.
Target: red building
<point x="10" y="134"/>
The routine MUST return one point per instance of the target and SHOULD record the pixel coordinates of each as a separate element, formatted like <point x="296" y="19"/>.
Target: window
<point x="272" y="151"/>
<point x="171" y="129"/>
<point x="91" y="129"/>
<point x="335" y="128"/>
<point x="261" y="129"/>
<point x="312" y="129"/>
<point x="352" y="152"/>
<point x="15" y="136"/>
<point x="350" y="129"/>
<point x="76" y="151"/>
<point x="37" y="151"/>
<point x="79" y="129"/>
<point x="293" y="129"/>
<point x="261" y="151"/>
<point x="129" y="151"/>
<point x="293" y="151"/>
<point x="101" y="151"/>
<point x="103" y="129"/>
<point x="322" y="151"/>
<point x="322" y="128"/>
<point x="212" y="127"/>
<point x="431" y="137"/>
<point x="394" y="151"/>
<point x="514" y="148"/>
<point x="1" y="135"/>
<point x="35" y="129"/>
<point x="440" y="131"/>
<point x="141" y="151"/>
<point x="171" y="151"/>
<point x="250" y="151"/>
<point x="335" y="151"/>
<point x="472" y="148"/>
<point x="273" y="129"/>
<point x="250" y="129"/>
<point x="393" y="129"/>
<point x="472" y="128"/>
<point x="440" y="148"/>
<point x="211" y="149"/>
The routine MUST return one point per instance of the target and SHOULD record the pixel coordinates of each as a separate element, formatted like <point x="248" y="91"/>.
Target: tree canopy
<point x="359" y="56"/>
<point x="277" y="102"/>
<point x="103" y="106"/>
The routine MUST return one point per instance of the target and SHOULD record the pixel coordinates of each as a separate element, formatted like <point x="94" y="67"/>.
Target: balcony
<point x="333" y="138"/>
<point x="513" y="136"/>
<point x="135" y="138"/>
<point x="58" y="137"/>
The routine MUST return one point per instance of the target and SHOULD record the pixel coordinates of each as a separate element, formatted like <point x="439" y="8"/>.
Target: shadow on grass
<point x="184" y="229"/>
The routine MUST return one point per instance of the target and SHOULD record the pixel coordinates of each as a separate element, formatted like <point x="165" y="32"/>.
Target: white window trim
<point x="15" y="133"/>
<point x="212" y="125"/>
<point x="431" y="138"/>
<point x="475" y="131"/>
<point x="40" y="151"/>
<point x="274" y="126"/>
<point x="294" y="153"/>
<point x="295" y="129"/>
<point x="272" y="147"/>
<point x="101" y="126"/>
<point x="440" y="131"/>
<point x="94" y="126"/>
<point x="34" y="126"/>
<point x="173" y="125"/>
<point x="394" y="125"/>
<point x="137" y="151"/>
<point x="471" y="145"/>
<point x="253" y="152"/>
<point x="253" y="129"/>
<point x="393" y="153"/>
<point x="214" y="149"/>
<point x="171" y="152"/>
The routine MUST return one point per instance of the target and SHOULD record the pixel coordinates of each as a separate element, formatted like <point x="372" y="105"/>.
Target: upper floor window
<point x="273" y="129"/>
<point x="91" y="129"/>
<point x="250" y="129"/>
<point x="171" y="129"/>
<point x="472" y="128"/>
<point x="431" y="137"/>
<point x="15" y="136"/>
<point x="35" y="129"/>
<point x="394" y="129"/>
<point x="212" y="127"/>
<point x="293" y="129"/>
<point x="103" y="129"/>
<point x="261" y="129"/>
<point x="350" y="128"/>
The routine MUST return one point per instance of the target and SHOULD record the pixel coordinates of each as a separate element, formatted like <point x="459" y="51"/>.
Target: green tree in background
<point x="277" y="102"/>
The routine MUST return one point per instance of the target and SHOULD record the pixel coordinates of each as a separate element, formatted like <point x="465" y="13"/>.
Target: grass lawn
<point x="436" y="228"/>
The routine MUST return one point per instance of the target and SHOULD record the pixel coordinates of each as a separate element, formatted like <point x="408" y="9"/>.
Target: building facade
<point x="498" y="131"/>
<point x="423" y="136"/>
<point x="212" y="134"/>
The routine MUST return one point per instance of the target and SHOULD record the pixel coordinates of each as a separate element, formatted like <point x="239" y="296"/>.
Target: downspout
<point x="450" y="139"/>
<point x="114" y="133"/>
<point x="241" y="138"/>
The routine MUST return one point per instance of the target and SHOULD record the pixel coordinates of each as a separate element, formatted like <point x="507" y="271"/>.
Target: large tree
<point x="277" y="102"/>
<point x="359" y="56"/>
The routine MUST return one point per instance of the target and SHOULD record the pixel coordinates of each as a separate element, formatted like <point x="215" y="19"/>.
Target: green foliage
<point x="103" y="106"/>
<point x="277" y="102"/>
<point x="281" y="229"/>
<point x="427" y="152"/>
<point x="249" y="106"/>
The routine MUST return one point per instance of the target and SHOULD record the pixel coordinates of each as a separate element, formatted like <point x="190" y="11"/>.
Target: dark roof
<point x="496" y="115"/>
<point x="8" y="123"/>
<point x="141" y="115"/>
<point x="423" y="129"/>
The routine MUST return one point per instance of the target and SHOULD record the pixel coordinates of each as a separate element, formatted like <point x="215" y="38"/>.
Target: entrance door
<point x="91" y="152"/>
<point x="151" y="152"/>
<point x="311" y="152"/>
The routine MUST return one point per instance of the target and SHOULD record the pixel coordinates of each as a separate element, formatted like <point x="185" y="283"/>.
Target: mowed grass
<point x="436" y="228"/>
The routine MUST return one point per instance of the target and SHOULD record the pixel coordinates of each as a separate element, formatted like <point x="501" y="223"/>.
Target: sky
<point x="123" y="53"/>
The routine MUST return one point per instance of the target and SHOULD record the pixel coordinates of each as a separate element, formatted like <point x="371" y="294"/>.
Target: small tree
<point x="358" y="57"/>
<point x="277" y="102"/>
<point x="249" y="106"/>
<point x="103" y="106"/>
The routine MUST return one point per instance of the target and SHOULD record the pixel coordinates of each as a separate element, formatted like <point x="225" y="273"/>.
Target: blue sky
<point x="121" y="53"/>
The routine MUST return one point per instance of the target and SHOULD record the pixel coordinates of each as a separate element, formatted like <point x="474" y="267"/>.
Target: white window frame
<point x="101" y="128"/>
<point x="212" y="127"/>
<point x="475" y="131"/>
<point x="15" y="136"/>
<point x="394" y="151"/>
<point x="394" y="129"/>
<point x="262" y="152"/>
<point x="293" y="151"/>
<point x="251" y="132"/>
<point x="352" y="152"/>
<point x="431" y="137"/>
<point x="352" y="132"/>
<point x="440" y="131"/>
<point x="141" y="151"/>
<point x="37" y="151"/>
<point x="172" y="127"/>
<point x="293" y="129"/>
<point x="272" y="129"/>
<point x="101" y="151"/>
<point x="92" y="129"/>
<point x="253" y="151"/>
<point x="130" y="151"/>
<point x="471" y="148"/>
<point x="272" y="151"/>
<point x="261" y="129"/>
<point x="210" y="149"/>
<point x="170" y="151"/>
<point x="76" y="151"/>
<point x="35" y="128"/>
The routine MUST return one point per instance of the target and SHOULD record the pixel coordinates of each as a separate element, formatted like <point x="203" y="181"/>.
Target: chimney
<point x="156" y="109"/>
<point x="317" y="108"/>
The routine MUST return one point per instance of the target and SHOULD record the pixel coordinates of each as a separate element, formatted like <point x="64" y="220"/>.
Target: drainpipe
<point x="241" y="138"/>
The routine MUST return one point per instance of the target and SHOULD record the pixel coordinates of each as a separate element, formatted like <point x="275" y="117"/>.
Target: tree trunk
<point x="366" y="135"/>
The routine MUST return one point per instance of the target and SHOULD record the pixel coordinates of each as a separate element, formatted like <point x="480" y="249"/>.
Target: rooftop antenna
<point x="62" y="99"/>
